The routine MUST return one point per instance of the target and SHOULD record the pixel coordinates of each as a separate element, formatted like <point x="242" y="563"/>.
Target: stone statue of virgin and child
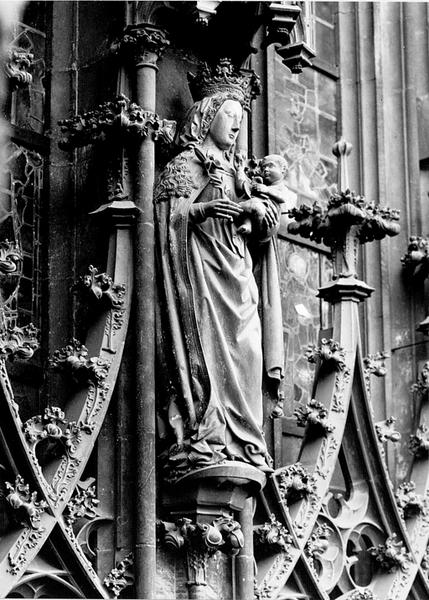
<point x="219" y="314"/>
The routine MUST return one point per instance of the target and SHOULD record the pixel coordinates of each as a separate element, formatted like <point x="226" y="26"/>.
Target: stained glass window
<point x="302" y="113"/>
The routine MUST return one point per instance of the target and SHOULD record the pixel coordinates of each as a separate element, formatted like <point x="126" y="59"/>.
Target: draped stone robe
<point x="213" y="344"/>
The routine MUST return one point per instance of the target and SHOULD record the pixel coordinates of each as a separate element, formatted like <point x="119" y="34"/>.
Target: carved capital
<point x="19" y="342"/>
<point x="200" y="541"/>
<point x="144" y="44"/>
<point x="112" y="120"/>
<point x="273" y="533"/>
<point x="386" y="431"/>
<point x="121" y="576"/>
<point x="315" y="416"/>
<point x="329" y="353"/>
<point x="295" y="482"/>
<point x="419" y="442"/>
<point x="391" y="555"/>
<point x="282" y="18"/>
<point x="17" y="67"/>
<point x="408" y="502"/>
<point x="25" y="502"/>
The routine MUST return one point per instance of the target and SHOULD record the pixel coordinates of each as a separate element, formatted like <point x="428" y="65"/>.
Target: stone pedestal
<point x="214" y="491"/>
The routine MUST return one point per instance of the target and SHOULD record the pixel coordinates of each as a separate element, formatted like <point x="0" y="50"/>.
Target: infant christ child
<point x="272" y="187"/>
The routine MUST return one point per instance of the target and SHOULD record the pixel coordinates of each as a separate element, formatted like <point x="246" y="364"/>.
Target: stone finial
<point x="342" y="150"/>
<point x="347" y="221"/>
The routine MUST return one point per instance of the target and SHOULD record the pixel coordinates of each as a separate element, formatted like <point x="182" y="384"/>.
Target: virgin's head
<point x="215" y="117"/>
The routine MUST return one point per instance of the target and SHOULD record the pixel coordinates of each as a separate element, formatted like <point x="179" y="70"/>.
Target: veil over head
<point x="196" y="124"/>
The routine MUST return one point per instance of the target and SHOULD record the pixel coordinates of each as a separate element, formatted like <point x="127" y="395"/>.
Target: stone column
<point x="148" y="43"/>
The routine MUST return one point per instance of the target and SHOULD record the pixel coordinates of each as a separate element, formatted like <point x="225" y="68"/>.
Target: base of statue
<point x="218" y="490"/>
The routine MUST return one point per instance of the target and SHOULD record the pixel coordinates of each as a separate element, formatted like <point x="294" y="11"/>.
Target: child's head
<point x="274" y="168"/>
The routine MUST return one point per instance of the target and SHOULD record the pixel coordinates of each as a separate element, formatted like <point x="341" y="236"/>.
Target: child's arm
<point x="278" y="194"/>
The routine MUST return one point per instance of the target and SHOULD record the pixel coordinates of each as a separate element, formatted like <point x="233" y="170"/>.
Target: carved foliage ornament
<point x="295" y="482"/>
<point x="201" y="541"/>
<point x="17" y="67"/>
<point x="422" y="384"/>
<point x="419" y="441"/>
<point x="315" y="416"/>
<point x="273" y="533"/>
<point x="121" y="576"/>
<point x="344" y="209"/>
<point x="83" y="504"/>
<point x="416" y="258"/>
<point x="74" y="359"/>
<point x="143" y="44"/>
<point x="386" y="431"/>
<point x="53" y="425"/>
<point x="101" y="286"/>
<point x="10" y="257"/>
<point x="113" y="118"/>
<point x="363" y="595"/>
<point x="19" y="342"/>
<point x="391" y="555"/>
<point x="408" y="502"/>
<point x="21" y="499"/>
<point x="375" y="363"/>
<point x="329" y="352"/>
<point x="318" y="542"/>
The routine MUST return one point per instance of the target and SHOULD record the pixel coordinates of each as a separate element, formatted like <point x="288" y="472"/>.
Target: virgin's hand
<point x="271" y="218"/>
<point x="222" y="208"/>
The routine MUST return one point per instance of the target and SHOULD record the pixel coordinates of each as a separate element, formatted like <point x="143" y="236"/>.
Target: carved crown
<point x="245" y="85"/>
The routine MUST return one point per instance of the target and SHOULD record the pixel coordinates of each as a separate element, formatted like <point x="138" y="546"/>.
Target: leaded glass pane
<point x="27" y="104"/>
<point x="20" y="199"/>
<point x="301" y="273"/>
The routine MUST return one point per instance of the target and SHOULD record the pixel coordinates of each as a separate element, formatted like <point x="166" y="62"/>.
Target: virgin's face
<point x="226" y="124"/>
